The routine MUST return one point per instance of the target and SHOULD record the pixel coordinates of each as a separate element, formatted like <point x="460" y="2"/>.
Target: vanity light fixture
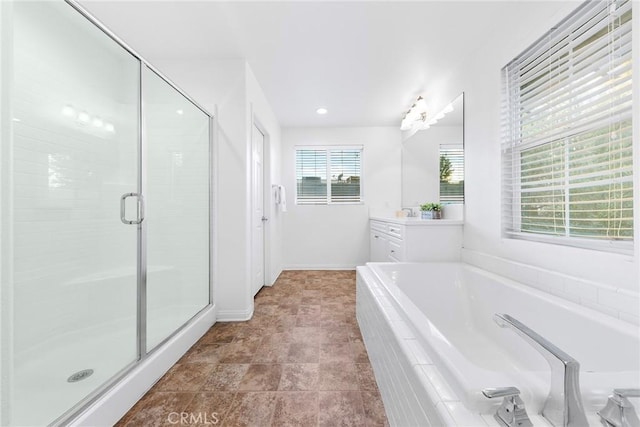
<point x="416" y="116"/>
<point x="322" y="111"/>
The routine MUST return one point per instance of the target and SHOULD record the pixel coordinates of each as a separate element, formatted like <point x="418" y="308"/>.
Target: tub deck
<point x="446" y="311"/>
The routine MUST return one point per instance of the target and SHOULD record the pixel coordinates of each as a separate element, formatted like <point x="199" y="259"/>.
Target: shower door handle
<point x="140" y="205"/>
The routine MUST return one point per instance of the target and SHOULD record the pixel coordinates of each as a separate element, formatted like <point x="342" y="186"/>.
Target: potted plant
<point x="431" y="211"/>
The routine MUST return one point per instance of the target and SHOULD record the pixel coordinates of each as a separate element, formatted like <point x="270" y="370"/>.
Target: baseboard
<point x="111" y="406"/>
<point x="234" y="315"/>
<point x="275" y="278"/>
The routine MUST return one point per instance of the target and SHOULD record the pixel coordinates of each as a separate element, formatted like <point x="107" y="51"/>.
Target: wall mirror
<point x="433" y="163"/>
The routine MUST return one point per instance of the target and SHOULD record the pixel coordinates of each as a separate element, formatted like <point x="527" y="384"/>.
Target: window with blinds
<point x="330" y="175"/>
<point x="567" y="133"/>
<point x="451" y="174"/>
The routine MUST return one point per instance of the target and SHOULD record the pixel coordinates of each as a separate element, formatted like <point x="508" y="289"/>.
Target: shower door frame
<point x="141" y="315"/>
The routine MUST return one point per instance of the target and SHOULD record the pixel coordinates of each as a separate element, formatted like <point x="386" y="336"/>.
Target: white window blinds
<point x="451" y="174"/>
<point x="311" y="177"/>
<point x="328" y="175"/>
<point x="567" y="132"/>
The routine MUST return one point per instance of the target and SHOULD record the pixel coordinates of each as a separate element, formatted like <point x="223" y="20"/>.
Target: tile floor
<point x="299" y="361"/>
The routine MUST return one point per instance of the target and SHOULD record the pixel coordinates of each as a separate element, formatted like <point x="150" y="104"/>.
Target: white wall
<point x="605" y="281"/>
<point x="337" y="236"/>
<point x="230" y="91"/>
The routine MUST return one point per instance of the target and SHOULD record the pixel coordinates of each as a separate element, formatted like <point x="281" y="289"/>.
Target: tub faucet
<point x="512" y="412"/>
<point x="563" y="407"/>
<point x="619" y="412"/>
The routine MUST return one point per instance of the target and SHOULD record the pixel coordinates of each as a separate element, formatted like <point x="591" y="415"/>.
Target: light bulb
<point x="180" y="112"/>
<point x="97" y="122"/>
<point x="322" y="110"/>
<point x="83" y="117"/>
<point x="68" y="111"/>
<point x="413" y="115"/>
<point x="109" y="127"/>
<point x="421" y="105"/>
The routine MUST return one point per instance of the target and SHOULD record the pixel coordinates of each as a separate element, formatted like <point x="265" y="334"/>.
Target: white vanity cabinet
<point x="414" y="240"/>
<point x="386" y="241"/>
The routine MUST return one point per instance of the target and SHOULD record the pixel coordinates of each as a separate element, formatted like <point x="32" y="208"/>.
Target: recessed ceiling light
<point x="180" y="112"/>
<point x="322" y="110"/>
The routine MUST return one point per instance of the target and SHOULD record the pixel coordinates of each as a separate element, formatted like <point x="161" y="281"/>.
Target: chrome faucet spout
<point x="563" y="407"/>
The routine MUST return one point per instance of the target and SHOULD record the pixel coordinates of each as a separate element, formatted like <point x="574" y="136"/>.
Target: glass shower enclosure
<point x="104" y="210"/>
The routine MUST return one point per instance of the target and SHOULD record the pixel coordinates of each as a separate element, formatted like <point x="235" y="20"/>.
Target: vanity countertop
<point x="418" y="221"/>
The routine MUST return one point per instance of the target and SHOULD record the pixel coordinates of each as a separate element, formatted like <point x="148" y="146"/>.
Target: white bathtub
<point x="434" y="345"/>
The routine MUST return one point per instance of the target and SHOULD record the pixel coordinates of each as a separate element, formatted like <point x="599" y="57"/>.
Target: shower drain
<point x="80" y="375"/>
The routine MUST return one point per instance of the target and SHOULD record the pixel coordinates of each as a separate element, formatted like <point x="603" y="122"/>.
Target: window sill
<point x="618" y="247"/>
<point x="330" y="204"/>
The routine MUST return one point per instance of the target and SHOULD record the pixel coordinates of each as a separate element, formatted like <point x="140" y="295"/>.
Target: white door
<point x="258" y="217"/>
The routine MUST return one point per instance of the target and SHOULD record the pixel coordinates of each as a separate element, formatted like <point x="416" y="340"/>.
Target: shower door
<point x="104" y="211"/>
<point x="69" y="264"/>
<point x="176" y="152"/>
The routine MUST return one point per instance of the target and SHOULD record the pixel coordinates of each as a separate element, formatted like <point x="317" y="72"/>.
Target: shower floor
<point x="299" y="361"/>
<point x="41" y="392"/>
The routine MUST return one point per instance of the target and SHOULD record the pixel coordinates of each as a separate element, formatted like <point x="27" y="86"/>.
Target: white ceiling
<point x="366" y="62"/>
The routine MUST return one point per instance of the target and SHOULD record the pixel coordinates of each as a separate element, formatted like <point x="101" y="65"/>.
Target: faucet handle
<point x="619" y="412"/>
<point x="627" y="392"/>
<point x="500" y="392"/>
<point x="511" y="412"/>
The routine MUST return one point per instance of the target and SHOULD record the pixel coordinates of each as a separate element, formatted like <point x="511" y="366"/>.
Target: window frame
<point x="513" y="148"/>
<point x="328" y="149"/>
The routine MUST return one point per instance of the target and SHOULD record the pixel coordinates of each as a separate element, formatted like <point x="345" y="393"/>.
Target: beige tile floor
<point x="299" y="361"/>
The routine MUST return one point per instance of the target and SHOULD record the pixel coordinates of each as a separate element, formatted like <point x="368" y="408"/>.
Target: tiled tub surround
<point x="433" y="345"/>
<point x="620" y="303"/>
<point x="300" y="361"/>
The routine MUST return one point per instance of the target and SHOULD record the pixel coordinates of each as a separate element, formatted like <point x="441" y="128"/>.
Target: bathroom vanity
<point x="414" y="239"/>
